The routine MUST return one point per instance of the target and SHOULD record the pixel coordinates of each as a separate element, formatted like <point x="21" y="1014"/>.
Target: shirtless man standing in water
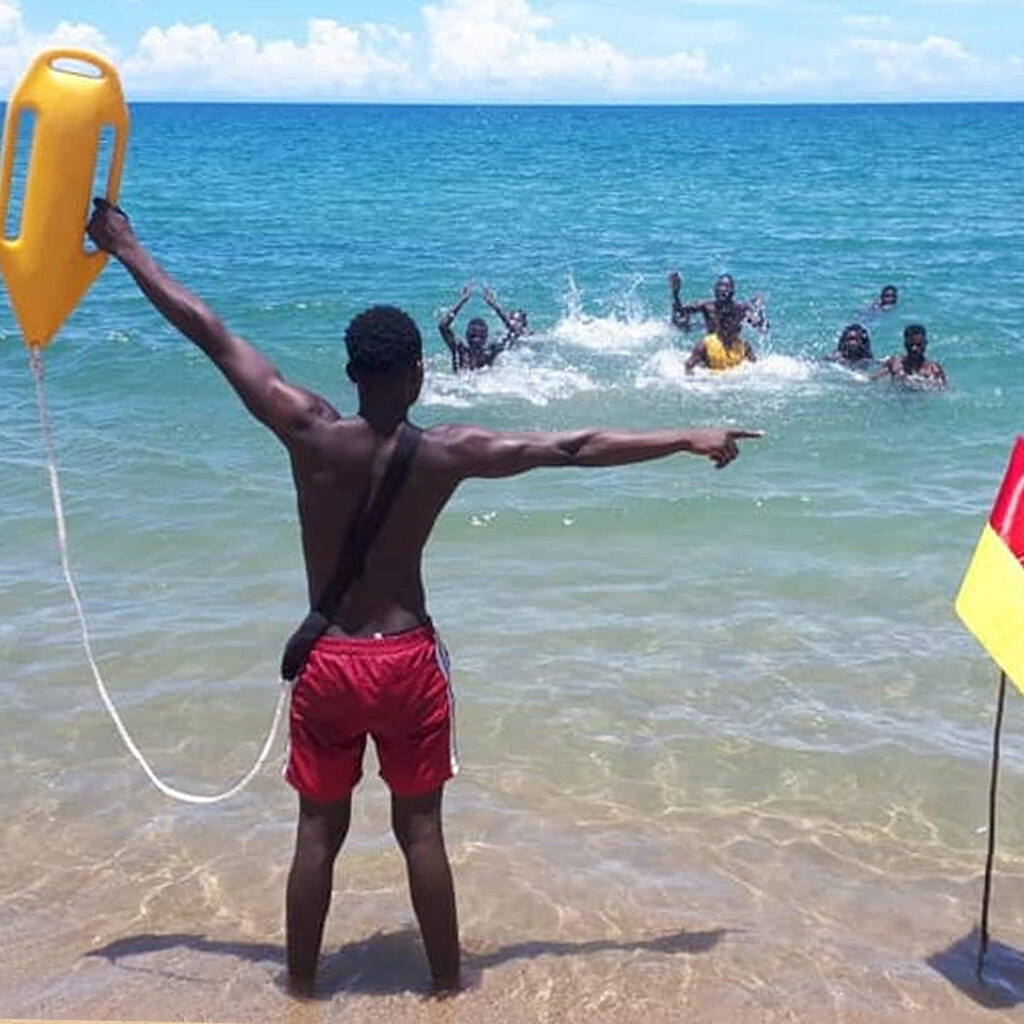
<point x="723" y="306"/>
<point x="913" y="368"/>
<point x="380" y="667"/>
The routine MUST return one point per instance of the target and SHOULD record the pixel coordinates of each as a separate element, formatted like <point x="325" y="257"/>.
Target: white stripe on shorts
<point x="445" y="665"/>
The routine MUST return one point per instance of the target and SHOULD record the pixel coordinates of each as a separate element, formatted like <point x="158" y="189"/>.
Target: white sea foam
<point x="771" y="372"/>
<point x="525" y="374"/>
<point x="626" y="327"/>
<point x="609" y="334"/>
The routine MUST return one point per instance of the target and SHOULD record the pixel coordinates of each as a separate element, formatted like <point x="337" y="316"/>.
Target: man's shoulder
<point x="331" y="426"/>
<point x="447" y="448"/>
<point x="444" y="434"/>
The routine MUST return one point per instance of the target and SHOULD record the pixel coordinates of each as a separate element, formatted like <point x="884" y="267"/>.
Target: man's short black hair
<point x="382" y="338"/>
<point x="911" y="329"/>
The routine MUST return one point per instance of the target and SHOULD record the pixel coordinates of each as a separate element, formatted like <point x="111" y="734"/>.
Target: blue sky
<point x="595" y="51"/>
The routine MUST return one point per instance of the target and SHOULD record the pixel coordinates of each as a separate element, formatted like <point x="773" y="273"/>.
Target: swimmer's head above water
<point x="854" y="343"/>
<point x="476" y="333"/>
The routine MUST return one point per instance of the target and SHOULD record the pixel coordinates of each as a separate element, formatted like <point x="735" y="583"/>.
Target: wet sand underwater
<point x="770" y="919"/>
<point x="702" y="880"/>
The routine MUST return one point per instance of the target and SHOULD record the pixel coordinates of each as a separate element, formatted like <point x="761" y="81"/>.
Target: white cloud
<point x="334" y="60"/>
<point x="936" y="60"/>
<point x="499" y="48"/>
<point x="19" y="45"/>
<point x="933" y="46"/>
<point x="867" y="22"/>
<point x="514" y="50"/>
<point x="789" y="80"/>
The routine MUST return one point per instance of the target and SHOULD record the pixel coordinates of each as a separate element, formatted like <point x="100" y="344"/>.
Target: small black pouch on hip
<point x="300" y="643"/>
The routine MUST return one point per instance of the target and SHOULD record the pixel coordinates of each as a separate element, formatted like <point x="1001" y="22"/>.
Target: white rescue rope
<point x="62" y="539"/>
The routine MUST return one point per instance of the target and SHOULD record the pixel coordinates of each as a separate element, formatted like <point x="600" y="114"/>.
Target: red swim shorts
<point x="393" y="687"/>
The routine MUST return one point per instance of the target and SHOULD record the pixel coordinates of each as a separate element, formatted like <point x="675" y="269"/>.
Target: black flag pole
<point x="987" y="892"/>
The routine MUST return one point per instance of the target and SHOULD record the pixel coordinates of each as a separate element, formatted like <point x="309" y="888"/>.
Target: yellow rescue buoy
<point x="46" y="265"/>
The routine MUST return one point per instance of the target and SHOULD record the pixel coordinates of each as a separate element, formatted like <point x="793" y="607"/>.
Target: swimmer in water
<point x="724" y="349"/>
<point x="715" y="310"/>
<point x="886" y="301"/>
<point x="912" y="367"/>
<point x="475" y="352"/>
<point x="853" y="347"/>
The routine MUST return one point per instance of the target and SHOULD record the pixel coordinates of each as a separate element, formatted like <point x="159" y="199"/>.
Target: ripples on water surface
<point x="724" y="742"/>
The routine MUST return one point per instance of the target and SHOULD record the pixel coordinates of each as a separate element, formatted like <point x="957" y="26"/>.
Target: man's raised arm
<point x="755" y="313"/>
<point x="283" y="407"/>
<point x="680" y="315"/>
<point x="492" y="300"/>
<point x="475" y="452"/>
<point x="444" y="325"/>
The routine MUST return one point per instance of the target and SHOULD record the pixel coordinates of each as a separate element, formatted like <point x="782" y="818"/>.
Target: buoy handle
<point x="50" y="58"/>
<point x="7" y="169"/>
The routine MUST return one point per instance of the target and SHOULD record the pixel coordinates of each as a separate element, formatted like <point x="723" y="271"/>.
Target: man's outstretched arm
<point x="281" y="406"/>
<point x="474" y="452"/>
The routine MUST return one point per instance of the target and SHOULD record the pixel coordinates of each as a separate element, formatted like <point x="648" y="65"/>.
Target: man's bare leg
<point x="321" y="831"/>
<point x="416" y="821"/>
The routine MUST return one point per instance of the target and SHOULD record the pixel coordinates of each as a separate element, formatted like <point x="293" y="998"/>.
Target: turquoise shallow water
<point x="687" y="699"/>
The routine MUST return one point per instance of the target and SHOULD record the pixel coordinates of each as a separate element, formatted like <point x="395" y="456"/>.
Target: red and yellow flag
<point x="991" y="598"/>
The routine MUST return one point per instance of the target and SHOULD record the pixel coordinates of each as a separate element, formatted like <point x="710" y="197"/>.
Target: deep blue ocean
<point x="730" y="703"/>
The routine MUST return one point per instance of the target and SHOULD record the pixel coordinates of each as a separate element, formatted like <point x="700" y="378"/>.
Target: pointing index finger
<point x="741" y="434"/>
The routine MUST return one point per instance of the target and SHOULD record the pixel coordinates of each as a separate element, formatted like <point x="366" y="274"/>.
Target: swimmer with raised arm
<point x="715" y="310"/>
<point x="514" y="321"/>
<point x="475" y="352"/>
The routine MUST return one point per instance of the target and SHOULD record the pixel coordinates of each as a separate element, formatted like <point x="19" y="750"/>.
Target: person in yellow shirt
<point x="724" y="349"/>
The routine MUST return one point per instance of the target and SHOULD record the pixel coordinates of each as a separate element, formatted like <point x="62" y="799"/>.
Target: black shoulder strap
<point x="352" y="558"/>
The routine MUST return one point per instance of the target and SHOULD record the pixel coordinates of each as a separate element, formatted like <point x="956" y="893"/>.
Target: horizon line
<point x="265" y="101"/>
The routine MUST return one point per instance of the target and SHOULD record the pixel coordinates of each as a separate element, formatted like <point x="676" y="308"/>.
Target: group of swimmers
<point x="723" y="346"/>
<point x="854" y="349"/>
